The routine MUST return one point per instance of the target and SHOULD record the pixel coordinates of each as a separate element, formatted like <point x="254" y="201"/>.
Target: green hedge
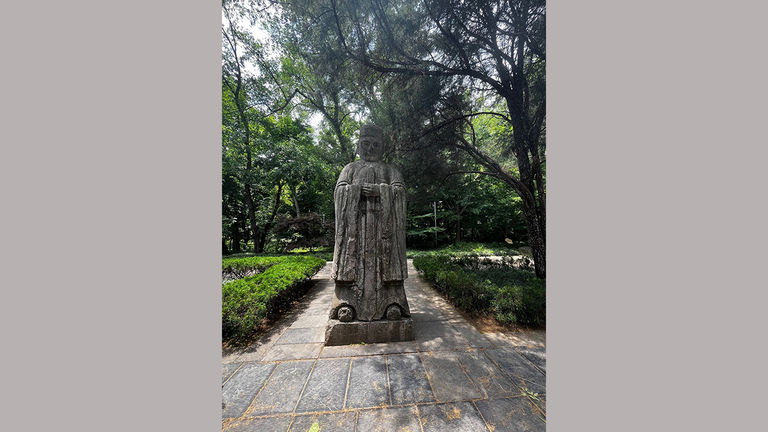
<point x="511" y="295"/>
<point x="470" y="249"/>
<point x="243" y="264"/>
<point x="246" y="302"/>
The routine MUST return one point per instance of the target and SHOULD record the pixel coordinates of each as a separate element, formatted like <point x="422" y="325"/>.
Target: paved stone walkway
<point x="451" y="378"/>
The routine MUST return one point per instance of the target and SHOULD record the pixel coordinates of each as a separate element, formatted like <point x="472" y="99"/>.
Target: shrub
<point x="466" y="249"/>
<point x="246" y="302"/>
<point x="307" y="231"/>
<point x="478" y="286"/>
<point x="239" y="266"/>
<point x="466" y="291"/>
<point x="523" y="303"/>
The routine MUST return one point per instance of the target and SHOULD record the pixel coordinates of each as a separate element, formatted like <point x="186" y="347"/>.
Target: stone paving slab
<point x="326" y="386"/>
<point x="305" y="321"/>
<point x="388" y="420"/>
<point x="336" y="422"/>
<point x="369" y="349"/>
<point x="227" y="370"/>
<point x="238" y="392"/>
<point x="439" y="335"/>
<point x="455" y="417"/>
<point x="522" y="372"/>
<point x="302" y="336"/>
<point x="537" y="356"/>
<point x="408" y="380"/>
<point x="323" y="309"/>
<point x="293" y="352"/>
<point x="510" y="415"/>
<point x="447" y="377"/>
<point x="368" y="383"/>
<point x="269" y="424"/>
<point x="526" y="386"/>
<point x="427" y="315"/>
<point x="474" y="337"/>
<point x="282" y="390"/>
<point x="486" y="376"/>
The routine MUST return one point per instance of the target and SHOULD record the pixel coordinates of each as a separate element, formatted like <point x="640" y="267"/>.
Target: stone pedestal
<point x="355" y="332"/>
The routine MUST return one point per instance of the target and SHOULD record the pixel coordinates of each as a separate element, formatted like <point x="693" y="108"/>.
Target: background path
<point x="452" y="377"/>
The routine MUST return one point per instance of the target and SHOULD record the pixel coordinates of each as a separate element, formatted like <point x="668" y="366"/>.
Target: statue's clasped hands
<point x="370" y="189"/>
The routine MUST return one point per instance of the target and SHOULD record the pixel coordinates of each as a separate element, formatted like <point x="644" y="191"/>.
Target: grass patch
<point x="237" y="267"/>
<point x="320" y="252"/>
<point x="467" y="249"/>
<point x="511" y="295"/>
<point x="248" y="301"/>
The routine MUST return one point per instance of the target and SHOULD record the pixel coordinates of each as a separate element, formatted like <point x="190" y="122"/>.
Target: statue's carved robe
<point x="369" y="263"/>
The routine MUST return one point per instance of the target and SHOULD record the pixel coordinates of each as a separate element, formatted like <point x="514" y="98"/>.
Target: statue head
<point x="370" y="146"/>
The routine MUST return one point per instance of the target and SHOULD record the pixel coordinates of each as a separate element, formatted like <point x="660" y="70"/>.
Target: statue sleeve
<point x="393" y="201"/>
<point x="346" y="198"/>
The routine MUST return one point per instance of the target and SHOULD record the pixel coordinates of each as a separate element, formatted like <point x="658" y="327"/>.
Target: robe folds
<point x="369" y="263"/>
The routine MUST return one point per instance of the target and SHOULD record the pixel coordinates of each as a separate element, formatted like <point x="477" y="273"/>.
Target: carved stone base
<point x="346" y="333"/>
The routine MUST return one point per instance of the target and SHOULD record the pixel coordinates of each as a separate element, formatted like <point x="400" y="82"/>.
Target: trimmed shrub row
<point x="511" y="295"/>
<point x="252" y="263"/>
<point x="246" y="302"/>
<point x="469" y="249"/>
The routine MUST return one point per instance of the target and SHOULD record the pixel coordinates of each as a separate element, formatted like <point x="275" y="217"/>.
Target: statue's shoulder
<point x="354" y="164"/>
<point x="349" y="169"/>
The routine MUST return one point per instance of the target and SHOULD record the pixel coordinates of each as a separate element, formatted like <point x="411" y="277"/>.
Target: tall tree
<point x="491" y="48"/>
<point x="249" y="99"/>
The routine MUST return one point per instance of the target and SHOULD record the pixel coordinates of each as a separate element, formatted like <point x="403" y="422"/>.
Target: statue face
<point x="370" y="148"/>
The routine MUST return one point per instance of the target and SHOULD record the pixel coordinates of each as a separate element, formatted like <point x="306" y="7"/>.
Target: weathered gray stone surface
<point x="293" y="352"/>
<point x="345" y="333"/>
<point x="455" y="417"/>
<point x="326" y="386"/>
<point x="449" y="382"/>
<point x="302" y="336"/>
<point x="227" y="370"/>
<point x="239" y="391"/>
<point x="439" y="335"/>
<point x="271" y="424"/>
<point x="408" y="380"/>
<point x="389" y="419"/>
<point x="306" y="321"/>
<point x="471" y="335"/>
<point x="282" y="391"/>
<point x="369" y="349"/>
<point x="426" y="314"/>
<point x="369" y="264"/>
<point x="537" y="356"/>
<point x="336" y="422"/>
<point x="522" y="373"/>
<point x="510" y="415"/>
<point x="368" y="383"/>
<point x="487" y="376"/>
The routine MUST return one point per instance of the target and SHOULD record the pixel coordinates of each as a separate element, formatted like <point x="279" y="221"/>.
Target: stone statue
<point x="369" y="264"/>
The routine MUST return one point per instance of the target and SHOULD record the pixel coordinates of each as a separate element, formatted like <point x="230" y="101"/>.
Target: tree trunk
<point x="252" y="219"/>
<point x="536" y="240"/>
<point x="272" y="216"/>
<point x="295" y="201"/>
<point x="524" y="188"/>
<point x="343" y="142"/>
<point x="235" y="237"/>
